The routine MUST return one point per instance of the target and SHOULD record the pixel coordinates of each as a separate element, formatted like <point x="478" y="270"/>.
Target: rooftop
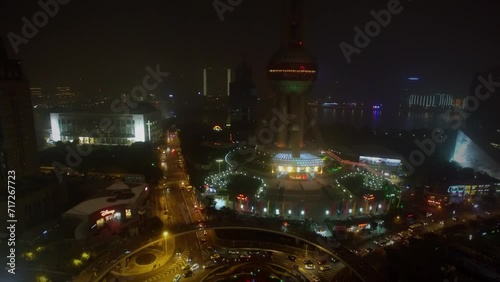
<point x="101" y="200"/>
<point x="305" y="160"/>
<point x="142" y="108"/>
<point x="375" y="151"/>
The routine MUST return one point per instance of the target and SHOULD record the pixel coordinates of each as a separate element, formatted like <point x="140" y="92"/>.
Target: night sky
<point x="107" y="44"/>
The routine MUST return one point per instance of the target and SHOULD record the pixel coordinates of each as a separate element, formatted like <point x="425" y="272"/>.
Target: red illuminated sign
<point x="107" y="212"/>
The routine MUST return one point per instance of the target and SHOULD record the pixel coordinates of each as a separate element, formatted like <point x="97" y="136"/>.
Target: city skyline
<point x="284" y="140"/>
<point x="445" y="57"/>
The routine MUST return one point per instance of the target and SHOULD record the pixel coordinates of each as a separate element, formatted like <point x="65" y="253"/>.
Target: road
<point x="176" y="206"/>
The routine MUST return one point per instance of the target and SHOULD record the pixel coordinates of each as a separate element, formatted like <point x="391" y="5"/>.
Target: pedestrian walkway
<point x="205" y="254"/>
<point x="330" y="274"/>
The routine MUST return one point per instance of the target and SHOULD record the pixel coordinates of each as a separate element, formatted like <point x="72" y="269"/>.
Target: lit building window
<point x="128" y="213"/>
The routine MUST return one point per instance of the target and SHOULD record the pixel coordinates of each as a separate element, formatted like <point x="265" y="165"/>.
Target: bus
<point x="415" y="226"/>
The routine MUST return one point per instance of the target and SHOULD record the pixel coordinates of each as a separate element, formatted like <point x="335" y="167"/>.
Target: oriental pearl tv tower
<point x="292" y="73"/>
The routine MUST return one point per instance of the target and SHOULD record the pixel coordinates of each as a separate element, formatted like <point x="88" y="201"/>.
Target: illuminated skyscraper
<point x="18" y="149"/>
<point x="243" y="97"/>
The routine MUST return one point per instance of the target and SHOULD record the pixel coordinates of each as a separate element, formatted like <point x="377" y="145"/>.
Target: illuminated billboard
<point x="461" y="190"/>
<point x="379" y="161"/>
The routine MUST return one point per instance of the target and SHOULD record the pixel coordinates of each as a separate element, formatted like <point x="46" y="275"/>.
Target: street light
<point x="165" y="234"/>
<point x="219" y="161"/>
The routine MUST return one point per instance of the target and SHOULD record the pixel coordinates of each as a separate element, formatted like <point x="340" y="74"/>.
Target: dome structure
<point x="292" y="71"/>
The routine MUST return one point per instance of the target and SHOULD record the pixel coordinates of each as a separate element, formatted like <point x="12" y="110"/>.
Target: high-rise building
<point x="64" y="93"/>
<point x="242" y="95"/>
<point x="36" y="92"/>
<point x="292" y="73"/>
<point x="18" y="145"/>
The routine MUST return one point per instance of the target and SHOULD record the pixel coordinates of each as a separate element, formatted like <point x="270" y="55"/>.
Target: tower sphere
<point x="292" y="71"/>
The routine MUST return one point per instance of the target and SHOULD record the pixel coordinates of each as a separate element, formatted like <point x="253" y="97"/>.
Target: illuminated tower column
<point x="292" y="73"/>
<point x="228" y="83"/>
<point x="295" y="127"/>
<point x="204" y="82"/>
<point x="282" y="126"/>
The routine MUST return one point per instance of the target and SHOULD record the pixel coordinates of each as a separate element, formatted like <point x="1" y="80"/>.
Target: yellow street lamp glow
<point x="165" y="234"/>
<point x="42" y="278"/>
<point x="29" y="256"/>
<point x="85" y="255"/>
<point x="77" y="262"/>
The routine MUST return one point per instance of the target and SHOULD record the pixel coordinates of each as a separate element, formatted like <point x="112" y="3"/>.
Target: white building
<point x="104" y="128"/>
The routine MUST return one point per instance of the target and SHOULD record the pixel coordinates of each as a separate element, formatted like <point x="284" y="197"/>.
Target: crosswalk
<point x="330" y="274"/>
<point x="205" y="254"/>
<point x="178" y="265"/>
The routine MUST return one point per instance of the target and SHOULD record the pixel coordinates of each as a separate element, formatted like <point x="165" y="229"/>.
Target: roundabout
<point x="145" y="259"/>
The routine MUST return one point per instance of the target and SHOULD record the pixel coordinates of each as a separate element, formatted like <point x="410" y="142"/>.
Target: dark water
<point x="383" y="119"/>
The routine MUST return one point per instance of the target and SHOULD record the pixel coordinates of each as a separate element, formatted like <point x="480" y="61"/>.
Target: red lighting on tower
<point x="302" y="67"/>
<point x="300" y="43"/>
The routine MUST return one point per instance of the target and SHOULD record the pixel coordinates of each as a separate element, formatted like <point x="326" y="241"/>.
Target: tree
<point x="241" y="184"/>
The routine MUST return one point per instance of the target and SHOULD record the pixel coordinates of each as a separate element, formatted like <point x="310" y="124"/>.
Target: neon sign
<point x="107" y="212"/>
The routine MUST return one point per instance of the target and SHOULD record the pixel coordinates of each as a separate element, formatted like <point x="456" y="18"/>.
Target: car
<point x="233" y="252"/>
<point x="295" y="266"/>
<point x="189" y="259"/>
<point x="186" y="267"/>
<point x="325" y="267"/>
<point x="203" y="240"/>
<point x="332" y="259"/>
<point x="177" y="277"/>
<point x="369" y="250"/>
<point x="309" y="266"/>
<point x="315" y="278"/>
<point x="267" y="254"/>
<point x="211" y="249"/>
<point x="205" y="232"/>
<point x="245" y="256"/>
<point x="215" y="256"/>
<point x="291" y="258"/>
<point x="195" y="267"/>
<point x="308" y="261"/>
<point x="320" y="262"/>
<point x="209" y="265"/>
<point x="188" y="273"/>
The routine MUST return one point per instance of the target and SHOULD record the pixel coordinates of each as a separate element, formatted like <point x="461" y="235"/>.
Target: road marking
<point x="181" y="262"/>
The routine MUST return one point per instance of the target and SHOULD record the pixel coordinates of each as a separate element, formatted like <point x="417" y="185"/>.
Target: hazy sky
<point x="107" y="44"/>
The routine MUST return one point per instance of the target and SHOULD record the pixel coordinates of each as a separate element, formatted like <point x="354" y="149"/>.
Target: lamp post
<point x="219" y="161"/>
<point x="165" y="234"/>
